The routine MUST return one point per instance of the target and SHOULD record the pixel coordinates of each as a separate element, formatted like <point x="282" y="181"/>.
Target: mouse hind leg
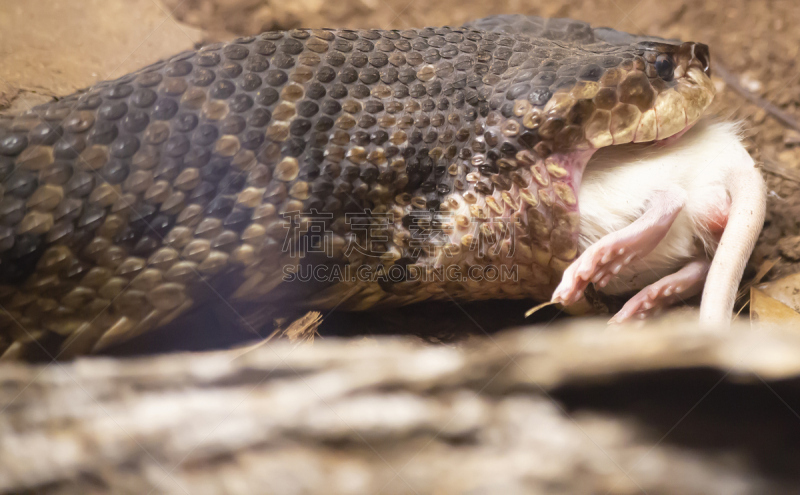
<point x="606" y="257"/>
<point x="711" y="215"/>
<point x="666" y="292"/>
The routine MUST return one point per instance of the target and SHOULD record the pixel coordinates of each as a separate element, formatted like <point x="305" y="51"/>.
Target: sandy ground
<point x="53" y="48"/>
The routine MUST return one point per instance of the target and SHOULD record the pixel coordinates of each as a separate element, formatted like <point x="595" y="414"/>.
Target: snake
<point x="321" y="168"/>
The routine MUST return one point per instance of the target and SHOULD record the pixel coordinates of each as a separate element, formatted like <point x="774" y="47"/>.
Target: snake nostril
<point x="694" y="55"/>
<point x="703" y="57"/>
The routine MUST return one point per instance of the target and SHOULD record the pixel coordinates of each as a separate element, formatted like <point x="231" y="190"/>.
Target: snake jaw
<point x="632" y="103"/>
<point x="675" y="109"/>
<point x="679" y="108"/>
<point x="691" y="95"/>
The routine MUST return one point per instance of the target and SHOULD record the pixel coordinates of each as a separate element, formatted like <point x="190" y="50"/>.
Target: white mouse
<point x="666" y="221"/>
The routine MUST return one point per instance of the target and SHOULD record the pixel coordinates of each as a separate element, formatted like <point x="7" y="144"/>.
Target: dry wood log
<point x="553" y="410"/>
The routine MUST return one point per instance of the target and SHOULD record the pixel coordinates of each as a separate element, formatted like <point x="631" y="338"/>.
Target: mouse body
<point x="690" y="184"/>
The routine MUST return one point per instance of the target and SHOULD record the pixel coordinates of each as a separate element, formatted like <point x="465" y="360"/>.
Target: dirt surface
<point x="52" y="48"/>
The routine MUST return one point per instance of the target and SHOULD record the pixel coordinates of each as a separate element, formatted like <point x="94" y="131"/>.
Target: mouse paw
<point x="570" y="289"/>
<point x="596" y="265"/>
<point x="664" y="293"/>
<point x="646" y="303"/>
<point x="605" y="260"/>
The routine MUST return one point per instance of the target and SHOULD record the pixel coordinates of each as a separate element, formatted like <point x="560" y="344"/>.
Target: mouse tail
<point x="745" y="220"/>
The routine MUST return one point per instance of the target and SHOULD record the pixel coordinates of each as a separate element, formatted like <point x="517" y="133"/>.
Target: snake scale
<point x="225" y="172"/>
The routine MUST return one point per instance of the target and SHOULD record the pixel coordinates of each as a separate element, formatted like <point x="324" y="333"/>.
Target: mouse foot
<point x="674" y="288"/>
<point x="606" y="257"/>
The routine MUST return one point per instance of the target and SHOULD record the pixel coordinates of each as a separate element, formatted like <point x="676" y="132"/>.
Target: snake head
<point x="680" y="77"/>
<point x="657" y="90"/>
<point x="584" y="88"/>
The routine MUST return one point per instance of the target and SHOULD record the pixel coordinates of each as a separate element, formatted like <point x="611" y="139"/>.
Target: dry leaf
<point x="785" y="290"/>
<point x="766" y="311"/>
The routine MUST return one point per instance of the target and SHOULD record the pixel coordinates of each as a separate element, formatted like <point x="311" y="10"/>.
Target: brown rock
<point x="790" y="247"/>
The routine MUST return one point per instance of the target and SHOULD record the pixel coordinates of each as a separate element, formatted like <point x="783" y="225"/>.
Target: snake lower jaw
<point x="690" y="97"/>
<point x="674" y="111"/>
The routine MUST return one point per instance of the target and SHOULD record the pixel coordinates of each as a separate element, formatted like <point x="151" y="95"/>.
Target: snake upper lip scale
<point x="422" y="153"/>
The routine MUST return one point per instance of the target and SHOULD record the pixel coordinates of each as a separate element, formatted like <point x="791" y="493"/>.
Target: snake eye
<point x="665" y="67"/>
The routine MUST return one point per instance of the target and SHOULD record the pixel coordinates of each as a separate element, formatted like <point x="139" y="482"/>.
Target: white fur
<point x="619" y="180"/>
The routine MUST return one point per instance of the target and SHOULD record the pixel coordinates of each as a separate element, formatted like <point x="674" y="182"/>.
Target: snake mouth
<point x="676" y="109"/>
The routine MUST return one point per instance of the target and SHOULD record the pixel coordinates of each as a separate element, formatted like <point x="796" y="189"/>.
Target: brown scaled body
<point x="201" y="176"/>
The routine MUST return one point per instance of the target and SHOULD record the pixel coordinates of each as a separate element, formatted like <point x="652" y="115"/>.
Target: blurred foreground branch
<point x="387" y="416"/>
